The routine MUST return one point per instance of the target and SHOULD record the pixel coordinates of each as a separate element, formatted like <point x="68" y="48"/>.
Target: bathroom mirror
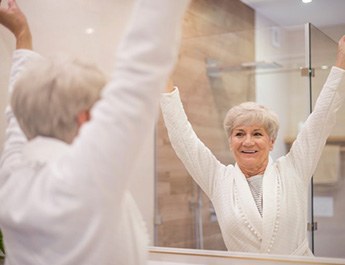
<point x="229" y="57"/>
<point x="229" y="54"/>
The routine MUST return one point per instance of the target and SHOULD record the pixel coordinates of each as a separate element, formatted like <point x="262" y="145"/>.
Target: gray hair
<point x="249" y="113"/>
<point x="51" y="93"/>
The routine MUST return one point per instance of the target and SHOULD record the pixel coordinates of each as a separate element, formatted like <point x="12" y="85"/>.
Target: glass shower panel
<point x="328" y="180"/>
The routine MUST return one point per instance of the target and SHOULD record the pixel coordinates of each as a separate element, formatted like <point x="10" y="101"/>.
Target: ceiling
<point x="321" y="13"/>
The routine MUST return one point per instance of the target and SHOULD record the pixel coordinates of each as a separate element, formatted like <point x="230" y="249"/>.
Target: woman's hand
<point x="14" y="19"/>
<point x="170" y="86"/>
<point x="340" y="62"/>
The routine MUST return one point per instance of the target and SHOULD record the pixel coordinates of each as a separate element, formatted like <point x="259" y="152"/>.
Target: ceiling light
<point x="89" y="31"/>
<point x="307" y="1"/>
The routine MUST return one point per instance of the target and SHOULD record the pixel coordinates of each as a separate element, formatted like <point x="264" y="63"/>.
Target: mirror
<point x="220" y="67"/>
<point x="229" y="54"/>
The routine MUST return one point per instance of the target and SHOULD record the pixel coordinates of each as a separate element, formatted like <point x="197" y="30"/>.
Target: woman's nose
<point x="248" y="141"/>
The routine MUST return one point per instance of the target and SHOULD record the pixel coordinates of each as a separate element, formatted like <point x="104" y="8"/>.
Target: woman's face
<point x="250" y="145"/>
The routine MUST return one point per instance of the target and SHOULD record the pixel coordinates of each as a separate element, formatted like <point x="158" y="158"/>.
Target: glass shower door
<point x="328" y="185"/>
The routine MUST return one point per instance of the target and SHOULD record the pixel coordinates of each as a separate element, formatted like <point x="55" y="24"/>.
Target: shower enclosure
<point x="283" y="69"/>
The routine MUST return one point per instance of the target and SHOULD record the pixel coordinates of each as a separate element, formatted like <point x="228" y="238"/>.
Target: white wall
<point x="5" y="57"/>
<point x="335" y="31"/>
<point x="59" y="27"/>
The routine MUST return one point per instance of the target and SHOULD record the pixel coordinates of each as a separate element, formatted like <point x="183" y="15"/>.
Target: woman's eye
<point x="239" y="134"/>
<point x="257" y="134"/>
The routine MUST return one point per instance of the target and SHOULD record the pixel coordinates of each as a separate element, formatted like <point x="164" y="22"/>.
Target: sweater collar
<point x="44" y="149"/>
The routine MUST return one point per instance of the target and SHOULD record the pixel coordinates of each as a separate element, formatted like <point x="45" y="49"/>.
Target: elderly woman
<point x="261" y="204"/>
<point x="69" y="151"/>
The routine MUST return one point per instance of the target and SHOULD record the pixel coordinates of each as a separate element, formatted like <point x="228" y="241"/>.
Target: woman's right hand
<point x="14" y="19"/>
<point x="341" y="53"/>
<point x="170" y="86"/>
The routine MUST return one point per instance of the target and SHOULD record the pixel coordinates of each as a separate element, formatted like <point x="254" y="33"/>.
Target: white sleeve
<point x="305" y="152"/>
<point x="102" y="155"/>
<point x="15" y="138"/>
<point x="201" y="164"/>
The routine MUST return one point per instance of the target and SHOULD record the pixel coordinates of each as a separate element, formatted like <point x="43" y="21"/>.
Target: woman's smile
<point x="251" y="145"/>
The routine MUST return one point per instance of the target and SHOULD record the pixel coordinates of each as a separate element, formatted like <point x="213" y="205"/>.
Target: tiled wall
<point x="218" y="31"/>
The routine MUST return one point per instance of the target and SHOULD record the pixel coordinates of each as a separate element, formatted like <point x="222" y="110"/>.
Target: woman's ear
<point x="272" y="144"/>
<point x="82" y="117"/>
<point x="230" y="143"/>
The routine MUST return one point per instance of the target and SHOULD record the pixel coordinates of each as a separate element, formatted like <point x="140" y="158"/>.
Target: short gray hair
<point x="249" y="113"/>
<point x="51" y="93"/>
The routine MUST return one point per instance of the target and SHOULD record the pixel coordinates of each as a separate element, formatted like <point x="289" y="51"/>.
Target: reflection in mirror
<point x="215" y="72"/>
